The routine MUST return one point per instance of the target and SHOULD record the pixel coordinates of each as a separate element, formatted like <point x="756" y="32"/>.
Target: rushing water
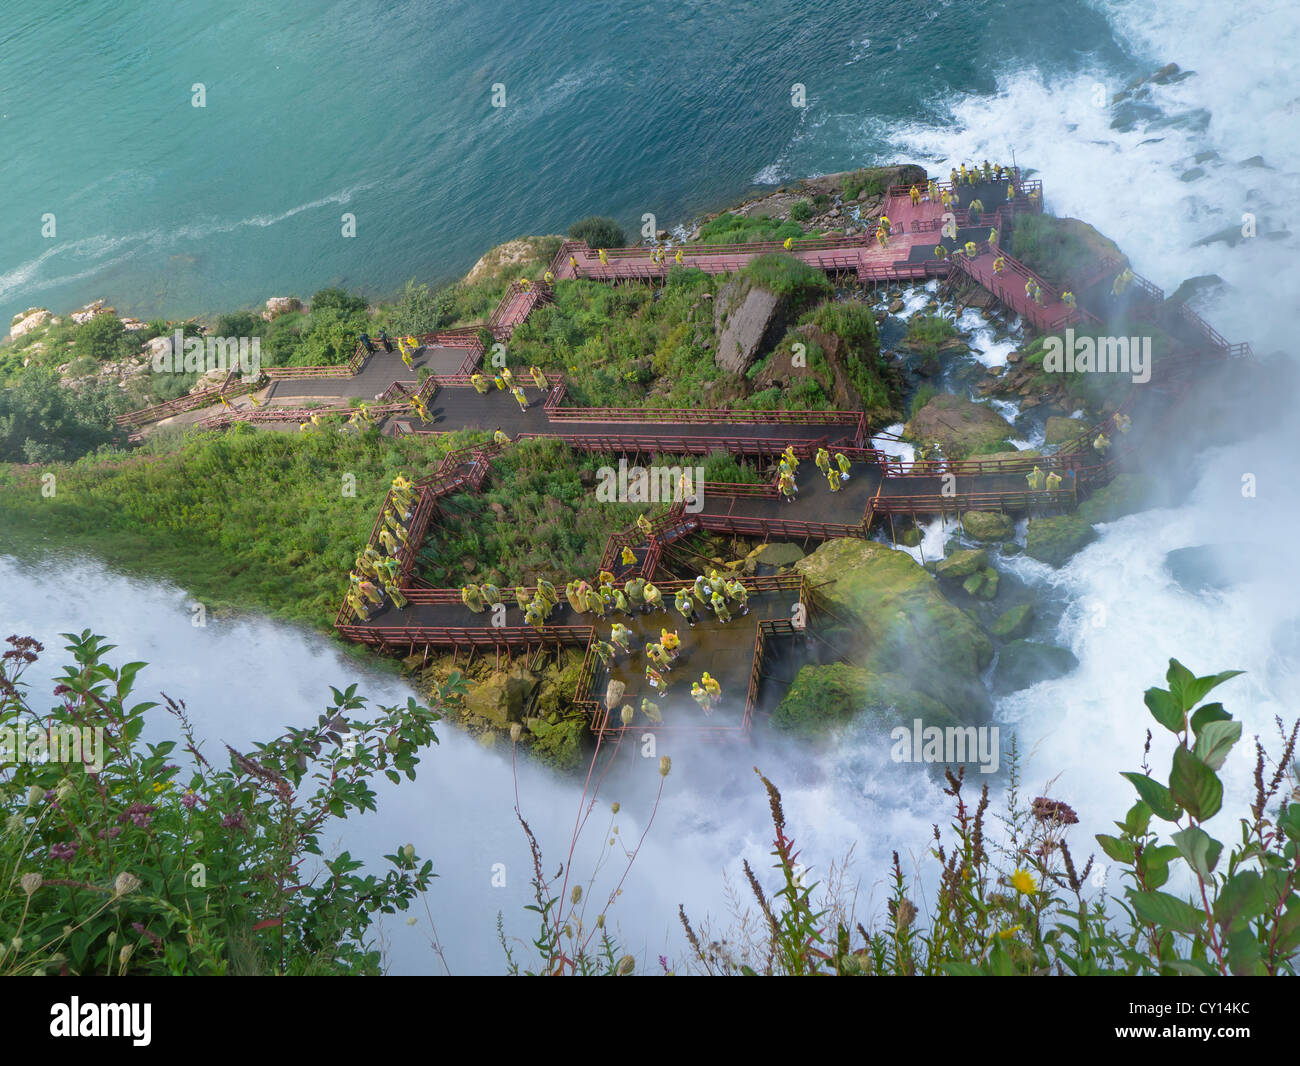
<point x="623" y="109"/>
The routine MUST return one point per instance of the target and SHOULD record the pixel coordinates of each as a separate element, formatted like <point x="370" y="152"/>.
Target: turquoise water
<point x="383" y="110"/>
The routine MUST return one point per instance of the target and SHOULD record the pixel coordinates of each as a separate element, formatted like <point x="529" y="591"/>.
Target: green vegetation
<point x="1062" y="251"/>
<point x="787" y="276"/>
<point x="730" y="228"/>
<point x="612" y="343"/>
<point x="859" y="355"/>
<point x="41" y="421"/>
<point x="598" y="232"/>
<point x="172" y="860"/>
<point x="241" y="518"/>
<point x="1012" y="899"/>
<point x="801" y="211"/>
<point x="103" y="338"/>
<point x="927" y="333"/>
<point x="538" y="516"/>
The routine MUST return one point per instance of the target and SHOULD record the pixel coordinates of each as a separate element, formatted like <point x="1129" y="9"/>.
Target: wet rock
<point x="1055" y="539"/>
<point x="962" y="564"/>
<point x="1013" y="623"/>
<point x="961" y="426"/>
<point x="1023" y="663"/>
<point x="987" y="526"/>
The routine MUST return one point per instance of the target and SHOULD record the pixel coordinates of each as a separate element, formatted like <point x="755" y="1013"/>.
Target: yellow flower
<point x="1007" y="934"/>
<point x="1023" y="882"/>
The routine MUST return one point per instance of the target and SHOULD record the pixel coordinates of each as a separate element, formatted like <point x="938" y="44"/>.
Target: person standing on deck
<point x="677" y="257"/>
<point x="656" y="679"/>
<point x="480" y="383"/>
<point x="999" y="264"/>
<point x="940" y="252"/>
<point x="842" y="461"/>
<point x="1123" y="423"/>
<point x="711" y="686"/>
<point x="833" y="480"/>
<point x="823" y="460"/>
<point x="740" y="594"/>
<point x="685" y="607"/>
<point x="498" y="437"/>
<point x="886" y="225"/>
<point x="602" y="256"/>
<point x="701" y="590"/>
<point x="574" y="264"/>
<point x="628" y="556"/>
<point x="546" y="593"/>
<point x="719" y="604"/>
<point x="621" y="637"/>
<point x="520" y="398"/>
<point x="701" y="697"/>
<point x="535" y="615"/>
<point x="785" y="483"/>
<point x="915" y="194"/>
<point x="653" y="597"/>
<point x="420" y="409"/>
<point x="1037" y="480"/>
<point x="882" y="236"/>
<point x="1101" y="444"/>
<point x="1053" y="481"/>
<point x="931" y="191"/>
<point x="671" y="642"/>
<point x="976" y="210"/>
<point x="539" y="379"/>
<point x="472" y="598"/>
<point x="971" y="249"/>
<point x="993" y="237"/>
<point x="634" y="590"/>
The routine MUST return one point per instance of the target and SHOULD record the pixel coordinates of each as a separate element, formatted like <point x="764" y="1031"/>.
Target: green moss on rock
<point x="987" y="526"/>
<point x="961" y="564"/>
<point x="1023" y="663"/>
<point x="825" y="697"/>
<point x="906" y="627"/>
<point x="1125" y="494"/>
<point x="1054" y="539"/>
<point x="1013" y="623"/>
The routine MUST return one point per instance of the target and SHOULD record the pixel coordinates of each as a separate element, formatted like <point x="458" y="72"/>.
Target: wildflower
<point x="904" y="913"/>
<point x="665" y="764"/>
<point x="33" y="794"/>
<point x="516" y="731"/>
<point x="1050" y="810"/>
<point x="576" y="894"/>
<point x="408" y="852"/>
<point x="14" y="823"/>
<point x="64" y="791"/>
<point x="600" y="921"/>
<point x="31" y="882"/>
<point x="1007" y="934"/>
<point x="125" y="953"/>
<point x="125" y="884"/>
<point x="189" y="799"/>
<point x="159" y="786"/>
<point x="625" y="966"/>
<point x="64" y="852"/>
<point x="16" y="943"/>
<point x="1023" y="882"/>
<point x="614" y="807"/>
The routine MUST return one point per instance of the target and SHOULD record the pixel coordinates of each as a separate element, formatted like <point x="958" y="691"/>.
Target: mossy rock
<point x="910" y="537"/>
<point x="987" y="526"/>
<point x="1125" y="494"/>
<point x="1054" y="539"/>
<point x="779" y="553"/>
<point x="501" y="698"/>
<point x="904" y="624"/>
<point x="1014" y="623"/>
<point x="961" y="426"/>
<point x="983" y="584"/>
<point x="1060" y="429"/>
<point x="1007" y="456"/>
<point x="560" y="745"/>
<point x="1023" y="663"/>
<point x="825" y="697"/>
<point x="961" y="564"/>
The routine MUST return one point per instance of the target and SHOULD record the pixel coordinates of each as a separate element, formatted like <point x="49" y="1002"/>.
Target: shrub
<point x="166" y="863"/>
<point x="802" y="211"/>
<point x="599" y="232"/>
<point x="103" y="338"/>
<point x="787" y="276"/>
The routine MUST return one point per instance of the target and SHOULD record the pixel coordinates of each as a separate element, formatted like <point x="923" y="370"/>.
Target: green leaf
<point x="1153" y="864"/>
<point x="1199" y="849"/>
<point x="1179" y="678"/>
<point x="1166" y="911"/>
<point x="1196" y="690"/>
<point x="1165" y="709"/>
<point x="1215" y="741"/>
<point x="1115" y="848"/>
<point x="1155" y="795"/>
<point x="1241" y="899"/>
<point x="1194" y="786"/>
<point x="1211" y="712"/>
